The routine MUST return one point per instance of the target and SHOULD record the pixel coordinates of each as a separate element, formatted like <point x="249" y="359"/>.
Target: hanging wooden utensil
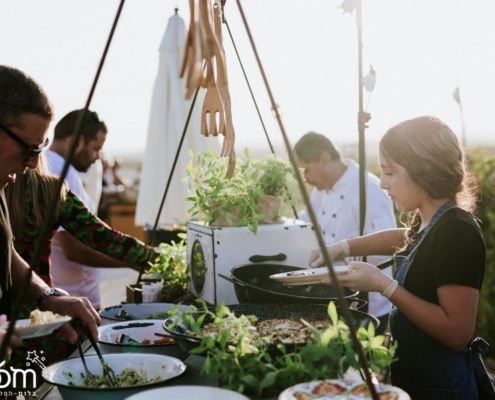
<point x="213" y="107"/>
<point x="193" y="59"/>
<point x="222" y="80"/>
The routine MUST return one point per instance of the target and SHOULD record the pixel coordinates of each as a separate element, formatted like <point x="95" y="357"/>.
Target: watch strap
<point x="48" y="293"/>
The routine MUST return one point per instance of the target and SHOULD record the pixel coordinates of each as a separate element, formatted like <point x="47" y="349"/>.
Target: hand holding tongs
<point x="107" y="370"/>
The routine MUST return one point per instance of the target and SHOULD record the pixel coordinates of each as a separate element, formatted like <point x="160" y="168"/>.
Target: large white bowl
<point x="154" y="364"/>
<point x="338" y="389"/>
<point x="188" y="392"/>
<point x="138" y="330"/>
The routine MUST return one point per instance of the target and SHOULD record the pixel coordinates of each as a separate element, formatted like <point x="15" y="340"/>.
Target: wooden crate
<point x="121" y="217"/>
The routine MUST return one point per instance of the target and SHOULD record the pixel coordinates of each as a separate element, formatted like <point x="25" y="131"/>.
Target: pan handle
<point x="360" y="302"/>
<point x="259" y="258"/>
<point x="235" y="282"/>
<point x="386" y="264"/>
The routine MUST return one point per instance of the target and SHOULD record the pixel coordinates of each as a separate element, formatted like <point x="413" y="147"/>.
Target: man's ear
<point x="325" y="158"/>
<point x="80" y="143"/>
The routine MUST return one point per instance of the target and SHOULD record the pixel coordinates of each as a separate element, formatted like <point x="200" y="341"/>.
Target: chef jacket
<point x="337" y="211"/>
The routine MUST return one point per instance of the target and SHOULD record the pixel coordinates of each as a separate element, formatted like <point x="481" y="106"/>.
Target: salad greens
<point x="239" y="363"/>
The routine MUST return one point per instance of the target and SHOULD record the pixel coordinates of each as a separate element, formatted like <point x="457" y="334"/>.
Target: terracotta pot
<point x="270" y="206"/>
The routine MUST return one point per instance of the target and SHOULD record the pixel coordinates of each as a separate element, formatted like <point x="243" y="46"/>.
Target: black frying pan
<point x="252" y="284"/>
<point x="310" y="312"/>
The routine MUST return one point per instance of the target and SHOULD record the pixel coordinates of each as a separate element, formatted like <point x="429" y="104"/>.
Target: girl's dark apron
<point x="427" y="369"/>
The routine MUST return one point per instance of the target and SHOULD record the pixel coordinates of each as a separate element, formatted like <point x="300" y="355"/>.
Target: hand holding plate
<point x="363" y="277"/>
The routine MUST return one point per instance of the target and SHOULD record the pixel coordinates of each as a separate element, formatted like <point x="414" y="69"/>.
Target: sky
<point x="421" y="51"/>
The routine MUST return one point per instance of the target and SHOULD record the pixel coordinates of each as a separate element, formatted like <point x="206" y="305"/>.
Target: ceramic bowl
<point x="340" y="389"/>
<point x="138" y="330"/>
<point x="65" y="374"/>
<point x="189" y="392"/>
<point x="141" y="310"/>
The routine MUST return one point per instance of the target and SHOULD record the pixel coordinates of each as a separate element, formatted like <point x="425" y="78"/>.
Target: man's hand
<point x="15" y="341"/>
<point x="74" y="307"/>
<point x="335" y="251"/>
<point x="363" y="277"/>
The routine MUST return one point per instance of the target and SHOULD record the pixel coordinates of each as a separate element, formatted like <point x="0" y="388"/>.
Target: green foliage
<point x="239" y="363"/>
<point x="484" y="169"/>
<point x="172" y="266"/>
<point x="212" y="195"/>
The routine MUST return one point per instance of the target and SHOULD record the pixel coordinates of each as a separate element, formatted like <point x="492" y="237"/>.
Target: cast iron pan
<point x="310" y="312"/>
<point x="252" y="284"/>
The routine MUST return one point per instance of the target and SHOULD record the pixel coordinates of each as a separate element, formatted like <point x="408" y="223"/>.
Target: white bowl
<point x="164" y="367"/>
<point x="139" y="310"/>
<point x="138" y="330"/>
<point x="189" y="392"/>
<point x="337" y="388"/>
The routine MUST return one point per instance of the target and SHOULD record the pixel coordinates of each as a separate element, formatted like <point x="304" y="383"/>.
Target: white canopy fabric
<point x="168" y="116"/>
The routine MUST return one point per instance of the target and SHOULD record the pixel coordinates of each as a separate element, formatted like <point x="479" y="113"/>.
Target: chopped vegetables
<point x="128" y="377"/>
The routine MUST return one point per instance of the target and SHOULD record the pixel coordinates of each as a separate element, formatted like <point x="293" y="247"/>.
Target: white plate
<point x="189" y="392"/>
<point x="339" y="389"/>
<point x="26" y="331"/>
<point x="308" y="276"/>
<point x="138" y="330"/>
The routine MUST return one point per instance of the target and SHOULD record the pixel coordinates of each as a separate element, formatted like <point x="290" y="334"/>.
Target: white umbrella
<point x="168" y="115"/>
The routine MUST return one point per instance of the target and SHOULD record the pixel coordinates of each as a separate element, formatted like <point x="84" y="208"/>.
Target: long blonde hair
<point x="433" y="158"/>
<point x="41" y="186"/>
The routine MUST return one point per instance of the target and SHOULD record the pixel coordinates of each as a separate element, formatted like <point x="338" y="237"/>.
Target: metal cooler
<point x="213" y="250"/>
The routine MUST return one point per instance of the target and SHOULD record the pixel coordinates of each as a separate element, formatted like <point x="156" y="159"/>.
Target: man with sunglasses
<point x="25" y="114"/>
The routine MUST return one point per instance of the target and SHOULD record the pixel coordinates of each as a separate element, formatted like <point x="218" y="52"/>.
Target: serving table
<point x="191" y="376"/>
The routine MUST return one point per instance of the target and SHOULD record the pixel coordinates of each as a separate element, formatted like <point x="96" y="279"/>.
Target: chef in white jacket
<point x="335" y="200"/>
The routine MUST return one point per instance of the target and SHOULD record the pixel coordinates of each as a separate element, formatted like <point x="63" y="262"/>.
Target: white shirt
<point x="92" y="181"/>
<point x="337" y="211"/>
<point x="77" y="279"/>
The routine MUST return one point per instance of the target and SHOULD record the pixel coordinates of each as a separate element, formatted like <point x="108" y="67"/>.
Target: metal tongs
<point x="107" y="370"/>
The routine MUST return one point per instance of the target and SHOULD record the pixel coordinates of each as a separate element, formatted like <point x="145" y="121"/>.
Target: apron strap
<point x="484" y="381"/>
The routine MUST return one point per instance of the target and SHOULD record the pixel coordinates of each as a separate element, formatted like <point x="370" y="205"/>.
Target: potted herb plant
<point x="251" y="197"/>
<point x="171" y="266"/>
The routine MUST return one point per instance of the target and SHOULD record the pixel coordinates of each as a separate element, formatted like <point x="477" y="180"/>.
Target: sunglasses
<point x="31" y="152"/>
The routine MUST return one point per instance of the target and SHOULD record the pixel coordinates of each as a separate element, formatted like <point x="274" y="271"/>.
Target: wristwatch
<point x="51" y="292"/>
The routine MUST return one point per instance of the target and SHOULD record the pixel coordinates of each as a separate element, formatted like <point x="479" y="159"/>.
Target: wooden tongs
<point x="213" y="106"/>
<point x="193" y="58"/>
<point x="223" y="84"/>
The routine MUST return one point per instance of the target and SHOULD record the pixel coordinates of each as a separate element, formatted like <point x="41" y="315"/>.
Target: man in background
<point x="73" y="263"/>
<point x="335" y="200"/>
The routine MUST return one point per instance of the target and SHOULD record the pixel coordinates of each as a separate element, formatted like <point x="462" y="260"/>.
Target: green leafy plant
<point x="240" y="363"/>
<point x="236" y="199"/>
<point x="171" y="265"/>
<point x="483" y="167"/>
